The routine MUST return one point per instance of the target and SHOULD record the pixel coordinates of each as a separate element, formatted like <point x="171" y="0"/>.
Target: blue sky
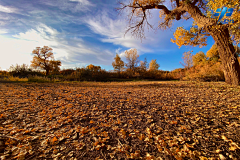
<point x="81" y="32"/>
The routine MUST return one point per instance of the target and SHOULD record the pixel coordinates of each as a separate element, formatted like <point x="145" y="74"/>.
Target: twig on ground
<point x="119" y="142"/>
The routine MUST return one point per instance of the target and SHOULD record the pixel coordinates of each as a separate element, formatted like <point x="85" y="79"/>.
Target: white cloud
<point x="18" y="48"/>
<point x="83" y="2"/>
<point x="113" y="31"/>
<point x="7" y="9"/>
<point x="42" y="35"/>
<point x="82" y="5"/>
<point x="3" y="31"/>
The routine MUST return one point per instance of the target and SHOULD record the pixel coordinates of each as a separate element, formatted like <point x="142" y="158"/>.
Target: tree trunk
<point x="47" y="72"/>
<point x="230" y="65"/>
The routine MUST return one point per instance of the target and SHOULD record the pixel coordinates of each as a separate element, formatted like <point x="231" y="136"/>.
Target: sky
<point x="82" y="32"/>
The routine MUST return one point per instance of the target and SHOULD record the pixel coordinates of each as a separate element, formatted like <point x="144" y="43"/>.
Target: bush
<point x="38" y="79"/>
<point x="211" y="71"/>
<point x="13" y="79"/>
<point x="23" y="71"/>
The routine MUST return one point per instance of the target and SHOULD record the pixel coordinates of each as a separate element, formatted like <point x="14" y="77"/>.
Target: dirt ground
<point x="132" y="120"/>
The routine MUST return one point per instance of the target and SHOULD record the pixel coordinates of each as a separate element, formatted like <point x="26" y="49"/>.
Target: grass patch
<point x="14" y="79"/>
<point x="40" y="79"/>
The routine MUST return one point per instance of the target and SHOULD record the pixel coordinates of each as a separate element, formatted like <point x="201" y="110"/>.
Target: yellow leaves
<point x="115" y="128"/>
<point x="1" y="116"/>
<point x="214" y="4"/>
<point x="233" y="148"/>
<point x="147" y="2"/>
<point x="159" y="147"/>
<point x="122" y="133"/>
<point x="222" y="157"/>
<point x="199" y="58"/>
<point x="79" y="145"/>
<point x="203" y="158"/>
<point x="185" y="37"/>
<point x="173" y="122"/>
<point x="213" y="51"/>
<point x="133" y="126"/>
<point x="10" y="141"/>
<point x="84" y="130"/>
<point x="118" y="64"/>
<point x="130" y="122"/>
<point x="135" y="155"/>
<point x="141" y="136"/>
<point x="54" y="141"/>
<point x="224" y="138"/>
<point x="69" y="120"/>
<point x="182" y="36"/>
<point x="153" y="65"/>
<point x="131" y="58"/>
<point x="149" y="157"/>
<point x="111" y="155"/>
<point x="148" y="131"/>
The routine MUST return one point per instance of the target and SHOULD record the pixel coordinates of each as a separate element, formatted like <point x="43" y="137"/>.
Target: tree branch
<point x="177" y="2"/>
<point x="137" y="27"/>
<point x="194" y="2"/>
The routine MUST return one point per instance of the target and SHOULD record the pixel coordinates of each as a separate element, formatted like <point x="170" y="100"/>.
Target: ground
<point x="132" y="120"/>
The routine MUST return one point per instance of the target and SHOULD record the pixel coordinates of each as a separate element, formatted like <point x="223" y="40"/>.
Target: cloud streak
<point x="69" y="51"/>
<point x="79" y="31"/>
<point x="7" y="9"/>
<point x="113" y="31"/>
<point x="70" y="5"/>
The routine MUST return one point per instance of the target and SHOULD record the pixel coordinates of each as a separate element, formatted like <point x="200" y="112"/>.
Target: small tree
<point x="118" y="64"/>
<point x="132" y="58"/>
<point x="213" y="53"/>
<point x="153" y="65"/>
<point x="43" y="59"/>
<point x="143" y="65"/>
<point x="187" y="59"/>
<point x="93" y="68"/>
<point x="199" y="58"/>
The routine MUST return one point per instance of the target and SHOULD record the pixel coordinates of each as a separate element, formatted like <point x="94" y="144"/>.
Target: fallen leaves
<point x="145" y="120"/>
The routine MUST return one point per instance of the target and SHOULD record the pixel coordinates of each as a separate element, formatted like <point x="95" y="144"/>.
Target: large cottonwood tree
<point x="204" y="25"/>
<point x="43" y="58"/>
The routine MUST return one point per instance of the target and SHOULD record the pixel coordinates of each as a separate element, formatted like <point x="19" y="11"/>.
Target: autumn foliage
<point x="204" y="24"/>
<point x="44" y="59"/>
<point x="134" y="120"/>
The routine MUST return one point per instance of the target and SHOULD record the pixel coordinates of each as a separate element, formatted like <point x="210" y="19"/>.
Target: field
<point x="132" y="120"/>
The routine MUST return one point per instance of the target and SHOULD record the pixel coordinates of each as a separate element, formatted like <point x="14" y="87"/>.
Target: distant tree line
<point x="201" y="67"/>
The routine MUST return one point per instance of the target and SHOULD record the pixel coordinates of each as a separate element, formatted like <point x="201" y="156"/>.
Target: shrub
<point x="38" y="79"/>
<point x="211" y="71"/>
<point x="13" y="79"/>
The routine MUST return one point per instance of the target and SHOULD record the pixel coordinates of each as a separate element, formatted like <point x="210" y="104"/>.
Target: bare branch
<point x="137" y="27"/>
<point x="195" y="1"/>
<point x="177" y="2"/>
